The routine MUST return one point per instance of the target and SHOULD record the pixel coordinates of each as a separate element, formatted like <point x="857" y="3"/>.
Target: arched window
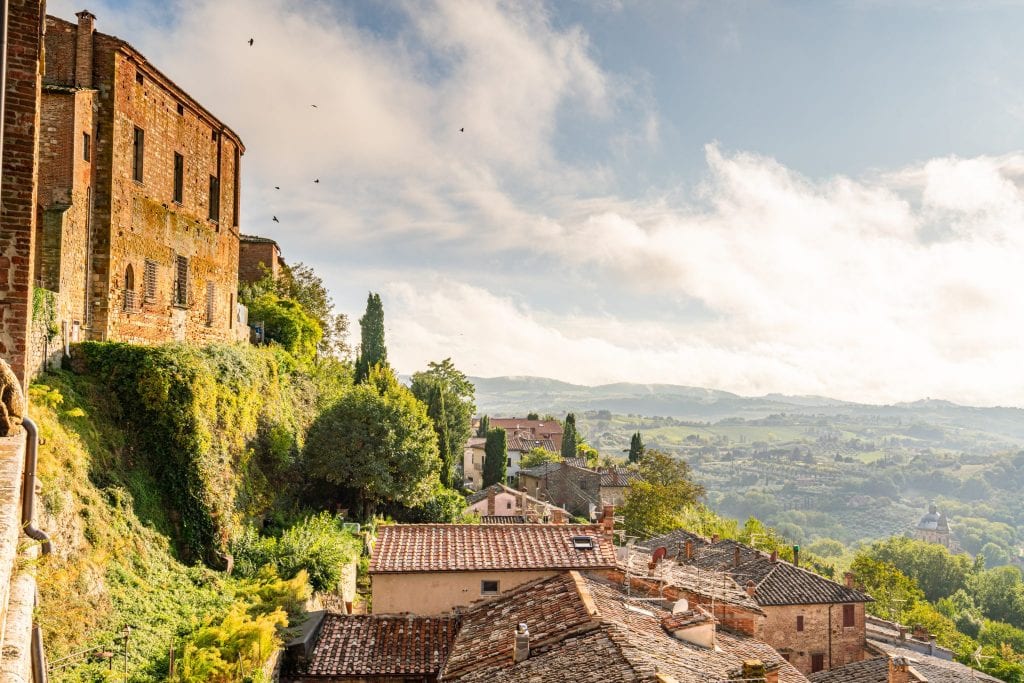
<point x="129" y="289"/>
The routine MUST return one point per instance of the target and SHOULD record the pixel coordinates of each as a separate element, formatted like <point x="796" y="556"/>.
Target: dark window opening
<point x="149" y="281"/>
<point x="211" y="295"/>
<point x="583" y="542"/>
<point x="849" y="616"/>
<point x="181" y="281"/>
<point x="181" y="109"/>
<point x="817" y="663"/>
<point x="86" y="147"/>
<point x="800" y="623"/>
<point x="232" y="313"/>
<point x="129" y="289"/>
<point x="488" y="588"/>
<point x="138" y="77"/>
<point x="138" y="153"/>
<point x="213" y="135"/>
<point x="179" y="177"/>
<point x="214" y="198"/>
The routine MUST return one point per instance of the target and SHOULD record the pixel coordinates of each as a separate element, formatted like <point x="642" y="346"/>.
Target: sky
<point x="793" y="197"/>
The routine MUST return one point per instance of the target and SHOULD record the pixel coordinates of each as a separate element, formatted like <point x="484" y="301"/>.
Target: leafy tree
<point x="937" y="571"/>
<point x="893" y="591"/>
<point x="532" y="416"/>
<point x="655" y="504"/>
<point x="287" y="323"/>
<point x="995" y="556"/>
<point x="449" y="396"/>
<point x="538" y="456"/>
<point x="495" y="457"/>
<point x="377" y="443"/>
<point x="570" y="437"/>
<point x="999" y="593"/>
<point x="827" y="547"/>
<point x="372" y="350"/>
<point x="636" y="448"/>
<point x="484" y="426"/>
<point x="445" y="506"/>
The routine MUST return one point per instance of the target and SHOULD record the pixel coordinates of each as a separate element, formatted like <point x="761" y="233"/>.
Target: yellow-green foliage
<point x="215" y="424"/>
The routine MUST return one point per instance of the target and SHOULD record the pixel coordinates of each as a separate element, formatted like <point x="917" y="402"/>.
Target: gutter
<point x="28" y="507"/>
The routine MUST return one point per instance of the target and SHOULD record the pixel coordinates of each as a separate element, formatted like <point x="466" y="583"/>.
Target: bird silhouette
<point x="317" y="181"/>
<point x="251" y="41"/>
<point x="275" y="220"/>
<point x="462" y="130"/>
<point x="314" y="106"/>
<point x="277" y="187"/>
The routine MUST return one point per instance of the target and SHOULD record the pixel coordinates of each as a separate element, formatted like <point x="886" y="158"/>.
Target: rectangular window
<point x="211" y="294"/>
<point x="817" y="663"/>
<point x="181" y="281"/>
<point x="149" y="281"/>
<point x="488" y="588"/>
<point x="181" y="109"/>
<point x="86" y="147"/>
<point x="214" y="198"/>
<point x="138" y="153"/>
<point x="138" y="77"/>
<point x="849" y="616"/>
<point x="179" y="177"/>
<point x="800" y="623"/>
<point x="234" y="207"/>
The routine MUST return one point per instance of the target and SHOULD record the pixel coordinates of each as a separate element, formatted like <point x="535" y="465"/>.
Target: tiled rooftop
<point x="526" y="444"/>
<point x="777" y="582"/>
<point x="935" y="669"/>
<point x="474" y="547"/>
<point x="371" y="645"/>
<point x="705" y="582"/>
<point x="874" y="670"/>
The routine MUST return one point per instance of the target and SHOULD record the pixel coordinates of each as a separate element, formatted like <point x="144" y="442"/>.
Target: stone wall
<point x="12" y="461"/>
<point x="18" y="194"/>
<point x="847" y="643"/>
<point x="255" y="258"/>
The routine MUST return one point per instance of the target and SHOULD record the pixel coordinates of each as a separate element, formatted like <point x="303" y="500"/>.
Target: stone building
<point x="138" y="206"/>
<point x="934" y="528"/>
<point x="257" y="257"/>
<point x="815" y="623"/>
<point x="577" y="488"/>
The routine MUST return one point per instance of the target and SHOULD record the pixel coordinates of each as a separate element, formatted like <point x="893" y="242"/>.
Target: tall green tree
<point x="894" y="592"/>
<point x="532" y="416"/>
<point x="450" y="399"/>
<point x="636" y="448"/>
<point x="372" y="349"/>
<point x="495" y="457"/>
<point x="656" y="503"/>
<point x="938" y="572"/>
<point x="376" y="443"/>
<point x="484" y="426"/>
<point x="570" y="437"/>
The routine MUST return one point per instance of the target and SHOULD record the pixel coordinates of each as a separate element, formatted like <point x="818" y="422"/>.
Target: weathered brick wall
<point x="255" y="258"/>
<point x="18" y="213"/>
<point x="847" y="643"/>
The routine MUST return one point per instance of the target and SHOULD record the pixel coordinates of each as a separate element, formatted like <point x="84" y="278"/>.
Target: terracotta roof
<point x="585" y="630"/>
<point x="543" y="426"/>
<point x="527" y="444"/>
<point x="777" y="582"/>
<point x="708" y="583"/>
<point x="473" y="547"/>
<point x="549" y="468"/>
<point x="620" y="476"/>
<point x="865" y="671"/>
<point x="935" y="669"/>
<point x="503" y="519"/>
<point x="374" y="645"/>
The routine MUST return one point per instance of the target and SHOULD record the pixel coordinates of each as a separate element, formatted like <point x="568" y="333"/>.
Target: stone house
<point x="577" y="488"/>
<point x="431" y="569"/>
<point x="138" y="205"/>
<point x="473" y="462"/>
<point x="934" y="528"/>
<point x="257" y="257"/>
<point x="500" y="504"/>
<point x="816" y="623"/>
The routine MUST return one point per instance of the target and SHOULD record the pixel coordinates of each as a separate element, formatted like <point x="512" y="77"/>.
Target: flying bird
<point x="314" y="106"/>
<point x="317" y="180"/>
<point x="251" y="41"/>
<point x="275" y="220"/>
<point x="462" y="130"/>
<point x="277" y="187"/>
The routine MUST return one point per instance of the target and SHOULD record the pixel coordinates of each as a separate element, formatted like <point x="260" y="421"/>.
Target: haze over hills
<point x="515" y="396"/>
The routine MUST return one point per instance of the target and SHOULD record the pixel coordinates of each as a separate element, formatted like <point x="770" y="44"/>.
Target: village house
<point x="571" y="626"/>
<point x="500" y="504"/>
<point x="138" y="199"/>
<point x="534" y="430"/>
<point x="516" y="447"/>
<point x="817" y="624"/>
<point x="431" y="569"/>
<point x="473" y="462"/>
<point x="577" y="488"/>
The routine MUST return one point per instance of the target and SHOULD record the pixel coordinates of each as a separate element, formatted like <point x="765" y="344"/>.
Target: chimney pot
<point x="83" y="48"/>
<point x="521" y="648"/>
<point x="849" y="579"/>
<point x="714" y="538"/>
<point x="775" y="556"/>
<point x="751" y="588"/>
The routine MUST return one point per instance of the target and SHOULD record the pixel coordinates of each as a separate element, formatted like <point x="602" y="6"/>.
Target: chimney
<point x="736" y="556"/>
<point x="903" y="632"/>
<point x="899" y="670"/>
<point x="689" y="550"/>
<point x="83" y="49"/>
<point x="751" y="588"/>
<point x="796" y="556"/>
<point x="753" y="670"/>
<point x="521" y="649"/>
<point x="608" y="519"/>
<point x="775" y="556"/>
<point x="557" y="516"/>
<point x="490" y="500"/>
<point x="522" y="503"/>
<point x="849" y="579"/>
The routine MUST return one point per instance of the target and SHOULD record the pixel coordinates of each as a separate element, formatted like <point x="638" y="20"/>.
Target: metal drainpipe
<point x="28" y="507"/>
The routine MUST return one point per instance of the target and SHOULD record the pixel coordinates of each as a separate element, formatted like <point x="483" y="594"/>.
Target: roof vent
<point x="582" y="542"/>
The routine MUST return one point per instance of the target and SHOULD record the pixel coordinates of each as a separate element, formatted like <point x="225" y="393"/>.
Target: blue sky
<point x="802" y="197"/>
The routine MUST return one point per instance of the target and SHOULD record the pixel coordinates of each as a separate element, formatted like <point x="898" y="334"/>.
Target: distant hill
<point x="516" y="396"/>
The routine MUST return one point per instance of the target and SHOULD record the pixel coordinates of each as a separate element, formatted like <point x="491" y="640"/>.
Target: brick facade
<point x="258" y="256"/>
<point x="135" y="249"/>
<point x="845" y="644"/>
<point x="18" y="192"/>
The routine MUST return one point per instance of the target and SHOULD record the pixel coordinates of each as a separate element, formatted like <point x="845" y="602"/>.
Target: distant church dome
<point x="933" y="520"/>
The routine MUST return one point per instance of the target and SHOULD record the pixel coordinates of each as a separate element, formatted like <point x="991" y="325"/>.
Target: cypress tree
<point x="570" y="437"/>
<point x="495" y="457"/>
<point x="485" y="424"/>
<point x="636" y="448"/>
<point x="372" y="350"/>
